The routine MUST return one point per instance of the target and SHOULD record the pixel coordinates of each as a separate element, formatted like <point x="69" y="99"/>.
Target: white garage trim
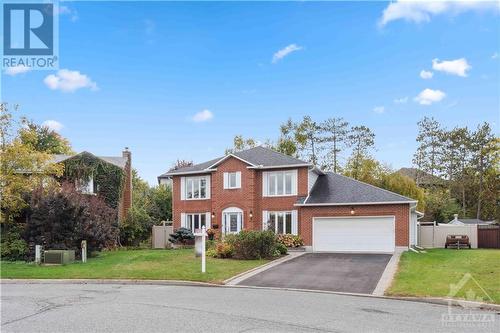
<point x="354" y="250"/>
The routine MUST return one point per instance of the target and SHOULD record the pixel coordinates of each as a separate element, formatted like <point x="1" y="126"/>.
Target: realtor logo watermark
<point x="470" y="314"/>
<point x="30" y="34"/>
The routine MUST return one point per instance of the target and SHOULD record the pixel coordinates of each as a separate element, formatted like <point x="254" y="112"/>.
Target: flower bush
<point x="224" y="250"/>
<point x="290" y="240"/>
<point x="211" y="234"/>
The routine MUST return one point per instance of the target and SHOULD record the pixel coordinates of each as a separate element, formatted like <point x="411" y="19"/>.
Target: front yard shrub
<point x="250" y="244"/>
<point x="136" y="227"/>
<point x="290" y="240"/>
<point x="13" y="247"/>
<point x="282" y="249"/>
<point x="182" y="236"/>
<point x="62" y="218"/>
<point x="224" y="250"/>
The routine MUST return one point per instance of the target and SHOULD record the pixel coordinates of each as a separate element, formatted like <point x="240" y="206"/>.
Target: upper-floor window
<point x="232" y="180"/>
<point x="195" y="187"/>
<point x="280" y="183"/>
<point x="86" y="186"/>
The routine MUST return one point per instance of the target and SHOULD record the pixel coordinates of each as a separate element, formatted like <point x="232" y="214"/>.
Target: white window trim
<point x="86" y="187"/>
<point x="184" y="184"/>
<point x="227" y="180"/>
<point x="184" y="219"/>
<point x="266" y="217"/>
<point x="265" y="183"/>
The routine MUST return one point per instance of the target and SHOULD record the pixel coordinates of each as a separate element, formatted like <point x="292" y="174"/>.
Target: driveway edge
<point x="232" y="281"/>
<point x="389" y="272"/>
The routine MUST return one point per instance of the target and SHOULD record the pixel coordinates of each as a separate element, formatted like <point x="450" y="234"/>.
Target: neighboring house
<point x="457" y="221"/>
<point x="422" y="178"/>
<point x="261" y="189"/>
<point x="107" y="176"/>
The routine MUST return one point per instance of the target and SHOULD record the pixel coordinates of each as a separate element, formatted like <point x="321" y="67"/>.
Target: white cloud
<point x="426" y="74"/>
<point x="12" y="71"/>
<point x="69" y="81"/>
<point x="202" y="116"/>
<point x="429" y="96"/>
<point x="495" y="55"/>
<point x="285" y="51"/>
<point x="379" y="109"/>
<point x="53" y="125"/>
<point x="422" y="10"/>
<point x="402" y="100"/>
<point x="455" y="67"/>
<point x="65" y="10"/>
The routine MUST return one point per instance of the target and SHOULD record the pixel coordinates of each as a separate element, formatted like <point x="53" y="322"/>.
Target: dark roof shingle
<point x="257" y="156"/>
<point x="333" y="188"/>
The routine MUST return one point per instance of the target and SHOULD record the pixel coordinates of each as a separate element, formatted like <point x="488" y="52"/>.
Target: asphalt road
<point x="344" y="272"/>
<point x="157" y="308"/>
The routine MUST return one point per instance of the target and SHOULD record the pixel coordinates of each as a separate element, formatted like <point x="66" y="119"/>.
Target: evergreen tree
<point x="361" y="139"/>
<point x="335" y="130"/>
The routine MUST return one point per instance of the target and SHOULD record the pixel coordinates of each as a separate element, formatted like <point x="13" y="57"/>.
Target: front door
<point x="232" y="222"/>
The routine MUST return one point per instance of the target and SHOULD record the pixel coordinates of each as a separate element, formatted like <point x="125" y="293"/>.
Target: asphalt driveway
<point x="354" y="273"/>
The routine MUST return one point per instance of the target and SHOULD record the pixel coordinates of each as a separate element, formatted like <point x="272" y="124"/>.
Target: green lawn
<point x="431" y="273"/>
<point x="135" y="264"/>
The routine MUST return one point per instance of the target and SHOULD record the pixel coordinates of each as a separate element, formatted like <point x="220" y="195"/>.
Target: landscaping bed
<point x="178" y="264"/>
<point x="430" y="274"/>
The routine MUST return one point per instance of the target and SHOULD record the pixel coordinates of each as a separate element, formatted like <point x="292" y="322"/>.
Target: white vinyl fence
<point x="430" y="236"/>
<point x="160" y="235"/>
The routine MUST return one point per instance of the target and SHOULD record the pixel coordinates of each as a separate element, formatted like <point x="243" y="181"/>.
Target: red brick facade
<point x="249" y="199"/>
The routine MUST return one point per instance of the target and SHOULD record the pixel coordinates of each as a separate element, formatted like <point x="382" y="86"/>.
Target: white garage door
<point x="356" y="234"/>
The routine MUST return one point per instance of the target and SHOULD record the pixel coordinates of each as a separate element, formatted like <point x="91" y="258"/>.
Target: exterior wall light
<point x="352" y="211"/>
<point x="251" y="214"/>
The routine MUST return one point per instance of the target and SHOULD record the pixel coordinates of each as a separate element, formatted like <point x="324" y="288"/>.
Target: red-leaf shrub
<point x="62" y="218"/>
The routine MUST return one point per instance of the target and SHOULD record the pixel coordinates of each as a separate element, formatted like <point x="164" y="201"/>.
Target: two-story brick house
<point x="261" y="189"/>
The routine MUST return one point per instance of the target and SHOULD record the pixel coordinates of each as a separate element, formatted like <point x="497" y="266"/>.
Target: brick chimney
<point x="126" y="201"/>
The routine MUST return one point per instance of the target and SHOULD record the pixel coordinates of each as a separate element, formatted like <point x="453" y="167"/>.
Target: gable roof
<point x="334" y="189"/>
<point x="257" y="157"/>
<point x="118" y="161"/>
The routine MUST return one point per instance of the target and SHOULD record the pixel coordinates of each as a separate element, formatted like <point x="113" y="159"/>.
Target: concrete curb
<point x="232" y="281"/>
<point x="389" y="272"/>
<point x="430" y="300"/>
<point x="110" y="281"/>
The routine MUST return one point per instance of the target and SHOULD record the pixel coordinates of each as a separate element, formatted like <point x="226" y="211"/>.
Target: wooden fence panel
<point x="488" y="237"/>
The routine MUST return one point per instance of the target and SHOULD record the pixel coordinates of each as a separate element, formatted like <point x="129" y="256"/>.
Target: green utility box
<point x="59" y="257"/>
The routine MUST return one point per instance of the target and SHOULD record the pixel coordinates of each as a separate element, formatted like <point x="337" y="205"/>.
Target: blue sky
<point x="146" y="69"/>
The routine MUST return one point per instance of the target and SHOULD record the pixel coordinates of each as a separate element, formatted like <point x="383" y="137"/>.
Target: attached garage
<point x="354" y="234"/>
